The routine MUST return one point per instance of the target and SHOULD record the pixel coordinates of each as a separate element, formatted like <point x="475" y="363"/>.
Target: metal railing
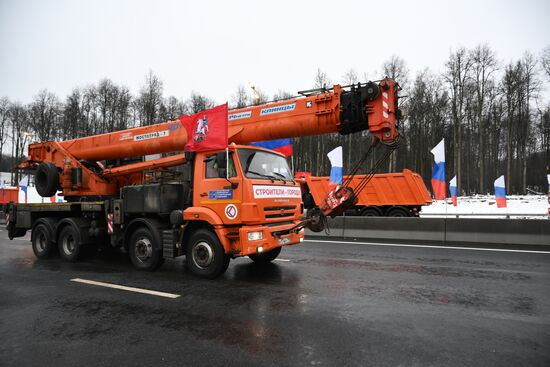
<point x="475" y="215"/>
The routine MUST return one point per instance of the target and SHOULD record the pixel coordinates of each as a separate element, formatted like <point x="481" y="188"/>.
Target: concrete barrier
<point x="441" y="230"/>
<point x="499" y="231"/>
<point x="430" y="229"/>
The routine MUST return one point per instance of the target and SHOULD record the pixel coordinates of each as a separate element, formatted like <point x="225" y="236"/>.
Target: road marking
<point x="284" y="260"/>
<point x="428" y="246"/>
<point x="124" y="288"/>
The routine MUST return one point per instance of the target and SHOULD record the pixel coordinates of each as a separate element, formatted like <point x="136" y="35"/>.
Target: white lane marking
<point x="285" y="260"/>
<point x="124" y="288"/>
<point x="428" y="246"/>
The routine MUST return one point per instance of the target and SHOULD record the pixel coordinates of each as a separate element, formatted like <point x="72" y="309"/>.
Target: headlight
<point x="255" y="236"/>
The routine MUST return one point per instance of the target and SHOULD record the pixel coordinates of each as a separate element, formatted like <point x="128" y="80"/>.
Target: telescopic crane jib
<point x="77" y="166"/>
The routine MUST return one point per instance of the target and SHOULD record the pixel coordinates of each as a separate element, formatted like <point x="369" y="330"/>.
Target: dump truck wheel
<point x="317" y="223"/>
<point x="46" y="179"/>
<point x="69" y="244"/>
<point x="371" y="212"/>
<point x="398" y="211"/>
<point x="266" y="257"/>
<point x="205" y="255"/>
<point x="42" y="244"/>
<point x="143" y="252"/>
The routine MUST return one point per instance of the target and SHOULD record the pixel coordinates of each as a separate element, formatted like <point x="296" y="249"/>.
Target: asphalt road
<point x="327" y="304"/>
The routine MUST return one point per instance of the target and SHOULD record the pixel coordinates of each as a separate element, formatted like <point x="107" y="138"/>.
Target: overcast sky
<point x="212" y="47"/>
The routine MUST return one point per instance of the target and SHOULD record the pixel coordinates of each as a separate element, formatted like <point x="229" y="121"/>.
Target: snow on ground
<point x="484" y="206"/>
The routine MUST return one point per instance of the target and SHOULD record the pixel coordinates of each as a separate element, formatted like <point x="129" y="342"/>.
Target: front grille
<point x="277" y="212"/>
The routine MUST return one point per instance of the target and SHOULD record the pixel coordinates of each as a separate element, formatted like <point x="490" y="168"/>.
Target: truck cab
<point x="249" y="197"/>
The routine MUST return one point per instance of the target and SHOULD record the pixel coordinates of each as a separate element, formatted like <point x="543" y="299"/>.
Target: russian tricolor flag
<point x="500" y="192"/>
<point x="452" y="189"/>
<point x="337" y="167"/>
<point x="438" y="173"/>
<point x="23" y="186"/>
<point x="283" y="146"/>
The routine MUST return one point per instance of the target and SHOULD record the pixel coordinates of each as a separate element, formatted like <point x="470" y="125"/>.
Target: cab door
<point x="215" y="190"/>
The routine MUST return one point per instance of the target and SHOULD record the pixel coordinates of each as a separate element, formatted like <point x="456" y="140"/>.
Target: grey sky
<point x="212" y="47"/>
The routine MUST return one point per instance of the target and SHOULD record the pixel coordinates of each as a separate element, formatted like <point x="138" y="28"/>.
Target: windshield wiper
<point x="272" y="178"/>
<point x="283" y="177"/>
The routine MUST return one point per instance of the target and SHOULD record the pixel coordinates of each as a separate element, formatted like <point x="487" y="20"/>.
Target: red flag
<point x="206" y="130"/>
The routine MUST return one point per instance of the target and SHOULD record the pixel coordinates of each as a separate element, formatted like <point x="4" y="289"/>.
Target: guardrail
<point x="441" y="230"/>
<point x="458" y="215"/>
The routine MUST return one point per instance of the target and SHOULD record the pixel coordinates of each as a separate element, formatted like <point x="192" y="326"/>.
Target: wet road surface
<point x="325" y="304"/>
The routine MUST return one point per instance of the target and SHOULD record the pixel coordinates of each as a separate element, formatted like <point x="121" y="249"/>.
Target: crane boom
<point x="370" y="106"/>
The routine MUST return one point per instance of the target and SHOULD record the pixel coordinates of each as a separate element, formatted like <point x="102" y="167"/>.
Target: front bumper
<point x="268" y="242"/>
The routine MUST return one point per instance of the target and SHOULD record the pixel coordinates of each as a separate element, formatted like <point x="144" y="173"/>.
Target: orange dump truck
<point x="387" y="194"/>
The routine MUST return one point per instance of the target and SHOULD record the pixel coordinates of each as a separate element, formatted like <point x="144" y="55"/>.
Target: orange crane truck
<point x="210" y="206"/>
<point x="400" y="194"/>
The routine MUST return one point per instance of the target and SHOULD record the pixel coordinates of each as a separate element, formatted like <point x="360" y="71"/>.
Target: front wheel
<point x="265" y="257"/>
<point x="143" y="250"/>
<point x="205" y="255"/>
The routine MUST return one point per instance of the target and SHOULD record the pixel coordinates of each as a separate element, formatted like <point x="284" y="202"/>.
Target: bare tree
<point x="396" y="68"/>
<point x="150" y="99"/>
<point x="321" y="80"/>
<point x="172" y="109"/>
<point x="282" y="94"/>
<point x="240" y="98"/>
<point x="198" y="103"/>
<point x="45" y="115"/>
<point x="484" y="65"/>
<point x="4" y="120"/>
<point x="350" y="77"/>
<point x="20" y="134"/>
<point x="458" y="69"/>
<point x="258" y="96"/>
<point x="545" y="60"/>
<point x="73" y="119"/>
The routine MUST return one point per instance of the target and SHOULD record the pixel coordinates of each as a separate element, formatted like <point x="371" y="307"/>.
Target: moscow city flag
<point x="438" y="173"/>
<point x="206" y="130"/>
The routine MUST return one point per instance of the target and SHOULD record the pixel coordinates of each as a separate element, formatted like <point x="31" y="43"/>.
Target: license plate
<point x="284" y="241"/>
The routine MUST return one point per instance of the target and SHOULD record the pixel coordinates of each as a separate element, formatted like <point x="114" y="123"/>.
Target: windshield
<point x="262" y="164"/>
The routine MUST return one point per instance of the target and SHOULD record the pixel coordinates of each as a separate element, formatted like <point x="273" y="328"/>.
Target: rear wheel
<point x="143" y="250"/>
<point x="399" y="211"/>
<point x="42" y="242"/>
<point x="371" y="211"/>
<point x="205" y="255"/>
<point x="265" y="257"/>
<point x="69" y="244"/>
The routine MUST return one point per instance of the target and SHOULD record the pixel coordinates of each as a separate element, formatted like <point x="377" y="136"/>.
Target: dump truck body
<point x="386" y="194"/>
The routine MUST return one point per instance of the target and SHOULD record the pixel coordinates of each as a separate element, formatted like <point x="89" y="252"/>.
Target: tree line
<point x="490" y="113"/>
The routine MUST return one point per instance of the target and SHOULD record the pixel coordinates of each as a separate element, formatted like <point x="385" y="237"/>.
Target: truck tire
<point x="205" y="256"/>
<point x="398" y="211"/>
<point x="143" y="250"/>
<point x="42" y="242"/>
<point x="69" y="244"/>
<point x="371" y="211"/>
<point x="46" y="179"/>
<point x="266" y="257"/>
